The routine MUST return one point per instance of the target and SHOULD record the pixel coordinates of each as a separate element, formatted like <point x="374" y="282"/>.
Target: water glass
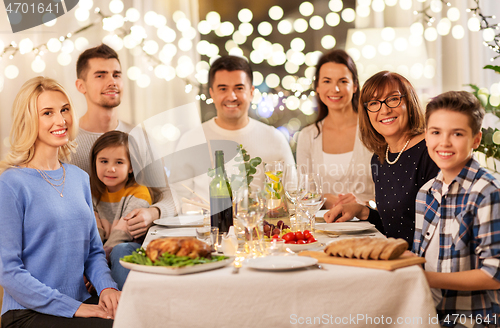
<point x="291" y="185"/>
<point x="309" y="197"/>
<point x="203" y="234"/>
<point x="249" y="209"/>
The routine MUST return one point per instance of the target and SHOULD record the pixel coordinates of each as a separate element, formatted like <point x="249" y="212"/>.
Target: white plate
<point x="178" y="232"/>
<point x="181" y="221"/>
<point x="344" y="226"/>
<point x="177" y="271"/>
<point x="302" y="247"/>
<point x="321" y="213"/>
<point x="280" y="263"/>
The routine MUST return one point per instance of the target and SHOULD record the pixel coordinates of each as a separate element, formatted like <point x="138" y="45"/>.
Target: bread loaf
<point x="368" y="248"/>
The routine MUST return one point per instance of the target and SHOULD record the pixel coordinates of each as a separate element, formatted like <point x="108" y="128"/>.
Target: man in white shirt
<point x="99" y="76"/>
<point x="231" y="88"/>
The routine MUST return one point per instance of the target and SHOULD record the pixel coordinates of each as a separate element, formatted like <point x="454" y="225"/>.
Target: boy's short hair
<point x="230" y="63"/>
<point x="458" y="101"/>
<point x="102" y="51"/>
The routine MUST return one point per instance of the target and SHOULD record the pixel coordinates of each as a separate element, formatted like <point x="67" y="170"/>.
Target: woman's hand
<point x="91" y="310"/>
<point x="346" y="212"/>
<point x="347" y="198"/>
<point x="332" y="200"/>
<point x="109" y="300"/>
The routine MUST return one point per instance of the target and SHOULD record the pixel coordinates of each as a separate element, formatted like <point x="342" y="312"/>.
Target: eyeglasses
<point x="391" y="102"/>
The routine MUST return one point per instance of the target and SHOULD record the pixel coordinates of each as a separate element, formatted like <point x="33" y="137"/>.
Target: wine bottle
<point x="221" y="204"/>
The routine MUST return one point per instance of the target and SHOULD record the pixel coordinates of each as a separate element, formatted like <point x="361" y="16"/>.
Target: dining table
<point x="329" y="295"/>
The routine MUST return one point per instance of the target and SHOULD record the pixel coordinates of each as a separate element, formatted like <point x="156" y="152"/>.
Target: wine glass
<point x="310" y="197"/>
<point x="249" y="208"/>
<point x="291" y="185"/>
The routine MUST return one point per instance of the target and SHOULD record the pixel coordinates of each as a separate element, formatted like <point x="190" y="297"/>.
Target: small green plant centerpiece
<point x="246" y="166"/>
<point x="489" y="148"/>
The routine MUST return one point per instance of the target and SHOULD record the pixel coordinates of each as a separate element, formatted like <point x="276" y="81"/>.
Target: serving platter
<point x="176" y="270"/>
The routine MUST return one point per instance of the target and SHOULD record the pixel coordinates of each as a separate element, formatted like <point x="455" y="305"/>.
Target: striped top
<point x="115" y="205"/>
<point x="468" y="214"/>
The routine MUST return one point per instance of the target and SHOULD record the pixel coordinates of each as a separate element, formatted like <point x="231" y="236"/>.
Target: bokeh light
<point x="300" y="25"/>
<point x="245" y="15"/>
<point x="335" y="5"/>
<point x="388" y="34"/>
<point x="272" y="80"/>
<point x="11" y="72"/>
<point x="275" y="12"/>
<point x="306" y="8"/>
<point x="316" y="22"/>
<point x="348" y="15"/>
<point x="332" y="19"/>
<point x="285" y="26"/>
<point x="328" y="42"/>
<point x="458" y="32"/>
<point x="453" y="14"/>
<point x="265" y="28"/>
<point x="358" y="38"/>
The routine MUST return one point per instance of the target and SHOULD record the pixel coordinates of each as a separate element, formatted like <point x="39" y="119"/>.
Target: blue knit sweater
<point x="47" y="243"/>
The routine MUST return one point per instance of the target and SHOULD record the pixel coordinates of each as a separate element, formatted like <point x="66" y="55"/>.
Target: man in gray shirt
<point x="100" y="81"/>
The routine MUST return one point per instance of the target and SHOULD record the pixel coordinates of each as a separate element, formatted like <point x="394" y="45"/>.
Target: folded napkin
<point x="229" y="243"/>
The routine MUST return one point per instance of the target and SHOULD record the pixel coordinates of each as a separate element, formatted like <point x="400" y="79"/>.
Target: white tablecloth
<point x="339" y="296"/>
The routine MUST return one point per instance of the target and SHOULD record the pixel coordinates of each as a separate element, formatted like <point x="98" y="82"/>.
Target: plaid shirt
<point x="469" y="236"/>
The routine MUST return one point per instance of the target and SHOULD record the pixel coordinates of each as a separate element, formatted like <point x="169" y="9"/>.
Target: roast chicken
<point x="184" y="246"/>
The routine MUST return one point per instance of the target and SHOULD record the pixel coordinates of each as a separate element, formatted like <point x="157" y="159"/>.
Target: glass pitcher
<point x="275" y="193"/>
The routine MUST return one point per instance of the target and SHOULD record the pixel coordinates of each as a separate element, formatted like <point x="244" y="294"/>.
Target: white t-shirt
<point x="259" y="140"/>
<point x="432" y="254"/>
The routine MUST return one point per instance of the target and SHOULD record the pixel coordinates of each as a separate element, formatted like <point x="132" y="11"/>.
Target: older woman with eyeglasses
<point x="392" y="127"/>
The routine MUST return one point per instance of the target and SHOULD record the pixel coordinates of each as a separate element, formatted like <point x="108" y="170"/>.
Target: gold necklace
<point x="46" y="177"/>
<point x="399" y="155"/>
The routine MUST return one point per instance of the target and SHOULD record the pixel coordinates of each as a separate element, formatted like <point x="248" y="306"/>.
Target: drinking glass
<point x="309" y="198"/>
<point x="276" y="203"/>
<point x="203" y="234"/>
<point x="249" y="208"/>
<point x="291" y="185"/>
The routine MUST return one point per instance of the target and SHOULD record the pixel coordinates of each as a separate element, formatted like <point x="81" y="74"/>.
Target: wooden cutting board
<point x="389" y="265"/>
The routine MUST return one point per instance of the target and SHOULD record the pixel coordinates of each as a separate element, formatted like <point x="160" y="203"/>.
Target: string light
<point x="293" y="87"/>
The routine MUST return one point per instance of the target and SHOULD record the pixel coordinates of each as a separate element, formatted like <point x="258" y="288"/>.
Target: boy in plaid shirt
<point x="458" y="217"/>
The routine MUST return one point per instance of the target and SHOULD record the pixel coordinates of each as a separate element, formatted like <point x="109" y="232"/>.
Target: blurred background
<point x="166" y="48"/>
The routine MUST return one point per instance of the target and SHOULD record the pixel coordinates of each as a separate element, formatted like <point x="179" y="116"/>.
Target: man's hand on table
<point x="140" y="219"/>
<point x="346" y="212"/>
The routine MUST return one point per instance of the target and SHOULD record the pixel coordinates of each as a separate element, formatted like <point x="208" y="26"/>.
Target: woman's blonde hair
<point x="24" y="131"/>
<point x="374" y="87"/>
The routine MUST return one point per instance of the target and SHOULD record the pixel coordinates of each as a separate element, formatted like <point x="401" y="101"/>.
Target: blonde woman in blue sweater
<point x="49" y="239"/>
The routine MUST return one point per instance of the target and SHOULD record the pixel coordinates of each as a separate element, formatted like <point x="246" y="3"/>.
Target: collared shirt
<point x="469" y="235"/>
